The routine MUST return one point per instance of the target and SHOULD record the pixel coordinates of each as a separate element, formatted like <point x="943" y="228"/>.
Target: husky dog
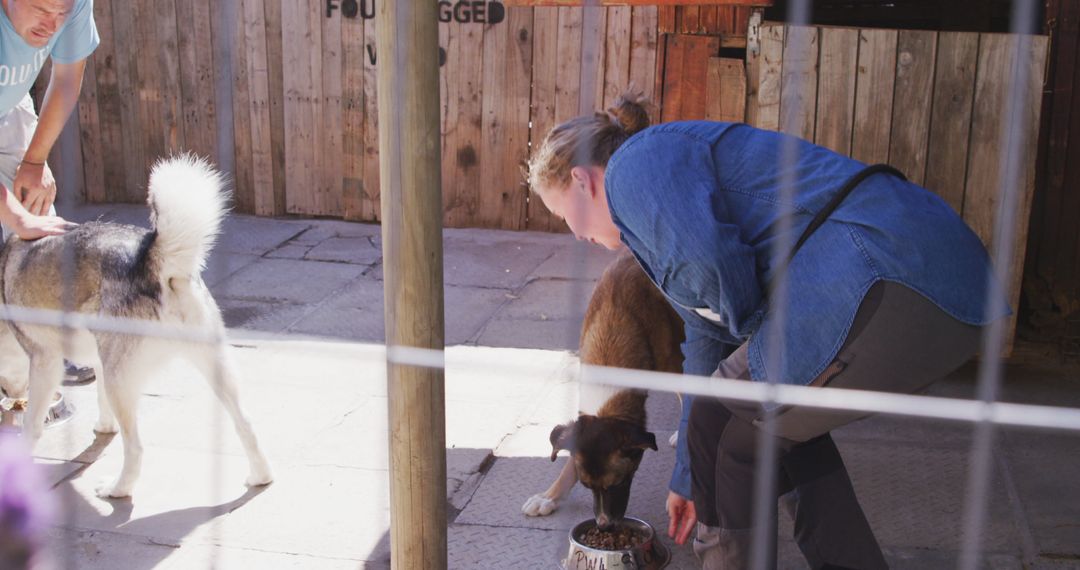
<point x="128" y="272"/>
<point x="628" y="324"/>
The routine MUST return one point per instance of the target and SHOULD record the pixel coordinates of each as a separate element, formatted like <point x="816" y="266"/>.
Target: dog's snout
<point x="603" y="521"/>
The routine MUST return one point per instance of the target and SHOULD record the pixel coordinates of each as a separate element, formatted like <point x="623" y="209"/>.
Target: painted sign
<point x="461" y="11"/>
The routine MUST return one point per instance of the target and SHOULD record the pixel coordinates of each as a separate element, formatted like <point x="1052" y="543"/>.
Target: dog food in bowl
<point x="630" y="545"/>
<point x="619" y="538"/>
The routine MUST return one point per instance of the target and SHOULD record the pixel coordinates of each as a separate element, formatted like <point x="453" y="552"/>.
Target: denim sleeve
<point x="665" y="196"/>
<point x="701" y="354"/>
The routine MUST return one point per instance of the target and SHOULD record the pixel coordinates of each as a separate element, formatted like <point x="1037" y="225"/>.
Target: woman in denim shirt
<point x="887" y="294"/>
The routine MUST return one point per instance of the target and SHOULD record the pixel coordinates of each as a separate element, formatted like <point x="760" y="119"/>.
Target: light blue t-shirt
<point x="20" y="63"/>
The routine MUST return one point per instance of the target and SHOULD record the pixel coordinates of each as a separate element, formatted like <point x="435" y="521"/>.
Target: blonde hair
<point x="589" y="140"/>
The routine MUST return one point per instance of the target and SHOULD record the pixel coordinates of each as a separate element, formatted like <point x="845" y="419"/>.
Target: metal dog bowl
<point x="60" y="411"/>
<point x="650" y="554"/>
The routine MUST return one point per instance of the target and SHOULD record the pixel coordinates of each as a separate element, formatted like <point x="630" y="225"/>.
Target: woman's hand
<point x="35" y="187"/>
<point x="682" y="516"/>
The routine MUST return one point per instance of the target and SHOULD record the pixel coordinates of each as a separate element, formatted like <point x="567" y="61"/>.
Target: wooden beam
<point x="765" y="3"/>
<point x="409" y="155"/>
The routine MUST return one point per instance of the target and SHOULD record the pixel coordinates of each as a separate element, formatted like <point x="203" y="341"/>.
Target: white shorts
<point x="16" y="130"/>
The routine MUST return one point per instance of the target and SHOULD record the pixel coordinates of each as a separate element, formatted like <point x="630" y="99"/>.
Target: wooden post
<point x="408" y="92"/>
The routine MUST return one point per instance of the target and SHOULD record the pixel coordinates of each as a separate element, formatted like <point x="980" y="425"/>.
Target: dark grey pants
<point x="900" y="342"/>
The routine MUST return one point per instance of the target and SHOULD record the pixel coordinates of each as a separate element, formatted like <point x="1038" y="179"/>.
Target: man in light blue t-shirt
<point x="31" y="31"/>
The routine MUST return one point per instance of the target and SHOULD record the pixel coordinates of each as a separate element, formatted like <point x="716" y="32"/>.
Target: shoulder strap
<point x="833" y="203"/>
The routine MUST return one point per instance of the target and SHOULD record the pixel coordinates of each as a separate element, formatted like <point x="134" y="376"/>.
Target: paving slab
<point x="356" y="313"/>
<point x="1054" y="523"/>
<point x="497" y="260"/>
<point x="913" y="496"/>
<point x="72" y="548"/>
<point x="212" y="556"/>
<point x="576" y="260"/>
<point x="323" y="230"/>
<point x="257" y="236"/>
<point x="320" y="511"/>
<point x="356" y="250"/>
<point x="265" y="316"/>
<point x="545" y="314"/>
<point x="300" y="282"/>
<point x="221" y="264"/>
<point x="291" y="250"/>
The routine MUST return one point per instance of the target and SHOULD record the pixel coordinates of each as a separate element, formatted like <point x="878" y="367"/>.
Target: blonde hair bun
<point x="629" y="112"/>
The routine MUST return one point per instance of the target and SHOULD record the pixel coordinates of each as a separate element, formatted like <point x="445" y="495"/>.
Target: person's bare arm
<point x="34" y="185"/>
<point x="26" y="225"/>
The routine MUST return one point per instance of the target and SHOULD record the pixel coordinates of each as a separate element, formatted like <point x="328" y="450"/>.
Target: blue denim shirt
<point x="696" y="203"/>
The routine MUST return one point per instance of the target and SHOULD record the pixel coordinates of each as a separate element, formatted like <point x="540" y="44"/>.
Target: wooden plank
<point x="243" y="173"/>
<point x="643" y="47"/>
<point x="617" y="56"/>
<point x="950" y="117"/>
<point x="726" y="90"/>
<point x="798" y="84"/>
<point x="168" y="52"/>
<point x="329" y="117"/>
<point x="874" y="95"/>
<point x="594" y="42"/>
<point x="709" y="20"/>
<point x="196" y="77"/>
<point x="661" y="68"/>
<point x="546" y="66"/>
<point x="911" y="109"/>
<point x="1054" y="259"/>
<point x="685" y="74"/>
<point x="90" y="135"/>
<point x="994" y="133"/>
<point x="302" y="56"/>
<point x="352" y="100"/>
<point x="836" y="89"/>
<point x="372" y="209"/>
<point x="149" y="87"/>
<point x="665" y="23"/>
<point x="258" y="73"/>
<point x="134" y="181"/>
<point x="507" y="62"/>
<point x="690" y="21"/>
<point x="276" y="92"/>
<point x="462" y="116"/>
<point x="105" y="61"/>
<point x="764" y="111"/>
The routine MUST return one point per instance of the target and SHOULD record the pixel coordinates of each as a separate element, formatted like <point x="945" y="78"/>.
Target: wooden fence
<point x="281" y="93"/>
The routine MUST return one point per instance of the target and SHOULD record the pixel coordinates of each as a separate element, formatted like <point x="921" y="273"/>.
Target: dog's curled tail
<point x="188" y="201"/>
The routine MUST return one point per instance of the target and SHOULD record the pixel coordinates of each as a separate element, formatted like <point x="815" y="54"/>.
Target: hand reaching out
<point x="682" y="516"/>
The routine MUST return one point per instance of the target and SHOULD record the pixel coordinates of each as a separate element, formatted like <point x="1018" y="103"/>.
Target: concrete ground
<point x="315" y="389"/>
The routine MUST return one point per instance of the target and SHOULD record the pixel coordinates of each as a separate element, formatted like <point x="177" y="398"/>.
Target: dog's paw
<point x="112" y="491"/>
<point x="539" y="506"/>
<point x="106" y="427"/>
<point x="673" y="441"/>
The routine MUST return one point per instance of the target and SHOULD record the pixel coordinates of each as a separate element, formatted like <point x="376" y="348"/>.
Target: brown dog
<point x="628" y="324"/>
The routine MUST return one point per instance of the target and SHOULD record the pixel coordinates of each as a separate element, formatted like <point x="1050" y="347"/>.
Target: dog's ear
<point x="562" y="437"/>
<point x="641" y="439"/>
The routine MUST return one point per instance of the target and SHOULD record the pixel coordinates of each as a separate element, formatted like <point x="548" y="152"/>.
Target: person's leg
<point x="723" y="477"/>
<point x="827" y="514"/>
<point x="16" y="131"/>
<point x="830" y="527"/>
<point x="900" y="342"/>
